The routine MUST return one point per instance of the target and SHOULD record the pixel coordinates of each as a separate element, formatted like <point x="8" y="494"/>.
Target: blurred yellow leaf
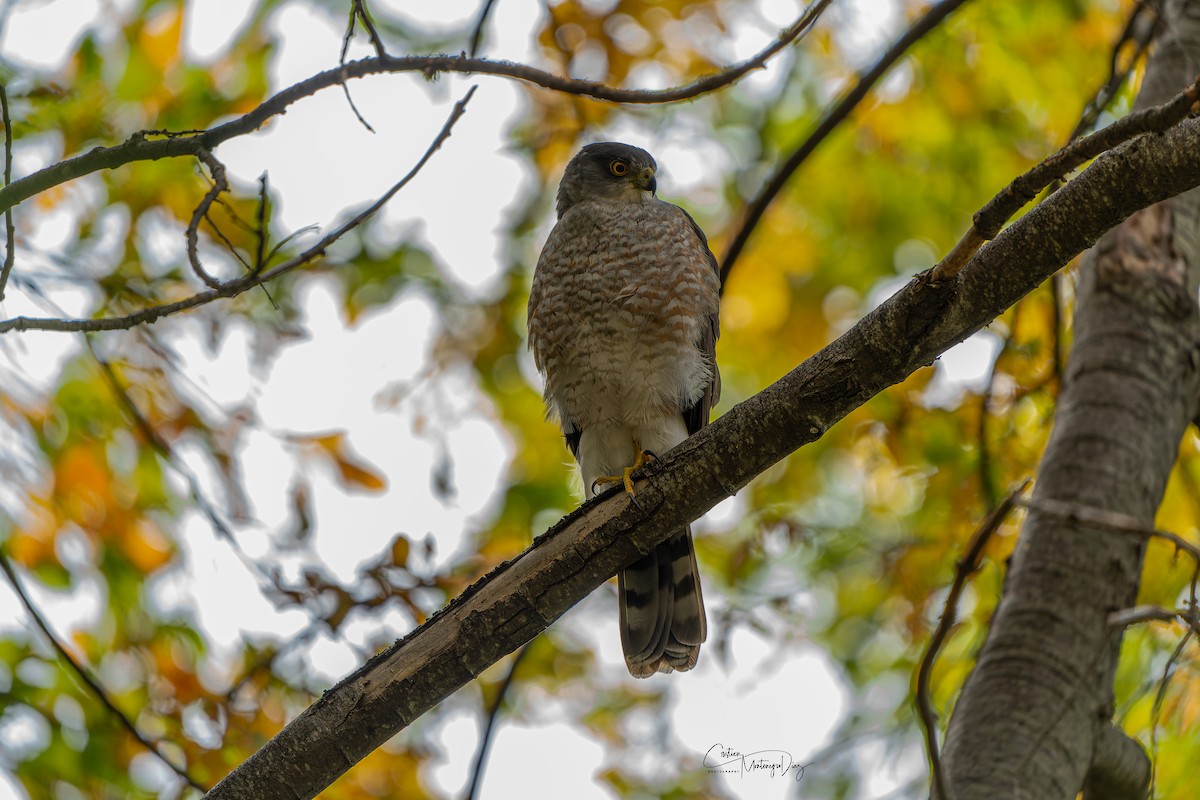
<point x="160" y="38"/>
<point x="400" y="550"/>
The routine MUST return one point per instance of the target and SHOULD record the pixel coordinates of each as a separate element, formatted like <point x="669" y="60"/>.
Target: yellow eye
<point x="618" y="168"/>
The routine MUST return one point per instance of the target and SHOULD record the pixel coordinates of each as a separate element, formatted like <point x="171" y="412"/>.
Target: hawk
<point x="623" y="324"/>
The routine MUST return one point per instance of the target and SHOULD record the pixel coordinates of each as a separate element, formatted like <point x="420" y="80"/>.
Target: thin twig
<point x="1058" y="363"/>
<point x="1139" y="614"/>
<point x="1193" y="605"/>
<point x="237" y="286"/>
<point x="1113" y="520"/>
<point x="987" y="485"/>
<point x="234" y="216"/>
<point x="1156" y="710"/>
<point x="88" y="680"/>
<point x="480" y="22"/>
<point x="486" y="740"/>
<point x="963" y="570"/>
<point x="984" y="459"/>
<point x="259" y="230"/>
<point x="360" y="8"/>
<point x="262" y="235"/>
<point x="991" y="218"/>
<point x="229" y="245"/>
<point x="220" y="185"/>
<point x="10" y="252"/>
<point x="139" y="148"/>
<point x="260" y="227"/>
<point x="284" y="241"/>
<point x="834" y="117"/>
<point x="342" y="60"/>
<point x="160" y="445"/>
<point x="1146" y="613"/>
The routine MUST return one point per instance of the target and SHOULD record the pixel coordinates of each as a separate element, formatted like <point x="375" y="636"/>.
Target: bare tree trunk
<point x="1034" y="719"/>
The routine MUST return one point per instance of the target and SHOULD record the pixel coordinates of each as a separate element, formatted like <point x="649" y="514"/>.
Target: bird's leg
<point x="642" y="458"/>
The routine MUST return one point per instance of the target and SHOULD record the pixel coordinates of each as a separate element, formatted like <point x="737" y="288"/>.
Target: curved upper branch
<point x="989" y="219"/>
<point x="140" y="148"/>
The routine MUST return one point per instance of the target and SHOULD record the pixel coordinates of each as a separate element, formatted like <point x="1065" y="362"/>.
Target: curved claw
<point x="643" y="458"/>
<point x="625" y="478"/>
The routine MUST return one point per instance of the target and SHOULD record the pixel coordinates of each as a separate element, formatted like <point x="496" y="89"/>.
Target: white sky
<point x="341" y="372"/>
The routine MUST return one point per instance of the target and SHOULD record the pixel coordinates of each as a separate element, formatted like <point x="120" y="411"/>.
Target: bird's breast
<point x="622" y="299"/>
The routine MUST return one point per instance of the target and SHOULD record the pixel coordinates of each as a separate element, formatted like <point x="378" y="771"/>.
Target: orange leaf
<point x="83" y="485"/>
<point x="31" y="551"/>
<point x="145" y="546"/>
<point x="354" y="473"/>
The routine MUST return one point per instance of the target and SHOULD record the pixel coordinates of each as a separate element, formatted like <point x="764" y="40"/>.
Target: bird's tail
<point x="662" y="609"/>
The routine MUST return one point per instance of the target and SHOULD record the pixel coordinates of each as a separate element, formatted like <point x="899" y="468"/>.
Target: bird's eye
<point x="618" y="168"/>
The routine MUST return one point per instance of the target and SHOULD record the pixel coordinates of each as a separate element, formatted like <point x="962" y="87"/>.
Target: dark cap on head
<point x="611" y="170"/>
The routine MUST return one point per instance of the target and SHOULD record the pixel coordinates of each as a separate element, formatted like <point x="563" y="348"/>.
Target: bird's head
<point x="607" y="171"/>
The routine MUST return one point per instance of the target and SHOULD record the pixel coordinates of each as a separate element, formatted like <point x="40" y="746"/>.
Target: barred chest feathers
<point x="628" y="289"/>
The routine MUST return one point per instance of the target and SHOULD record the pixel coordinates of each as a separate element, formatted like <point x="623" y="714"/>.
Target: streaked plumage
<point x="623" y="323"/>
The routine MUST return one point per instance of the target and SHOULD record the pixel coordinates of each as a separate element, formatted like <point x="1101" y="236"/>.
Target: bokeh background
<point x="223" y="513"/>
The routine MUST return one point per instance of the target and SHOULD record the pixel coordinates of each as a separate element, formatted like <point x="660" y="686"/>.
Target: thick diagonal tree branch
<point x="521" y="598"/>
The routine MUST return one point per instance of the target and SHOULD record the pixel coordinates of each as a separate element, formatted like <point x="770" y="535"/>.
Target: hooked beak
<point x="647" y="180"/>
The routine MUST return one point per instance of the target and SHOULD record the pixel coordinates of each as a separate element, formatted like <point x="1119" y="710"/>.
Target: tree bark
<point x="521" y="598"/>
<point x="1034" y="719"/>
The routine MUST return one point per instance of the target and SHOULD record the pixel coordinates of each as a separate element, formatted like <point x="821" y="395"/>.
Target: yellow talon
<point x="643" y="458"/>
